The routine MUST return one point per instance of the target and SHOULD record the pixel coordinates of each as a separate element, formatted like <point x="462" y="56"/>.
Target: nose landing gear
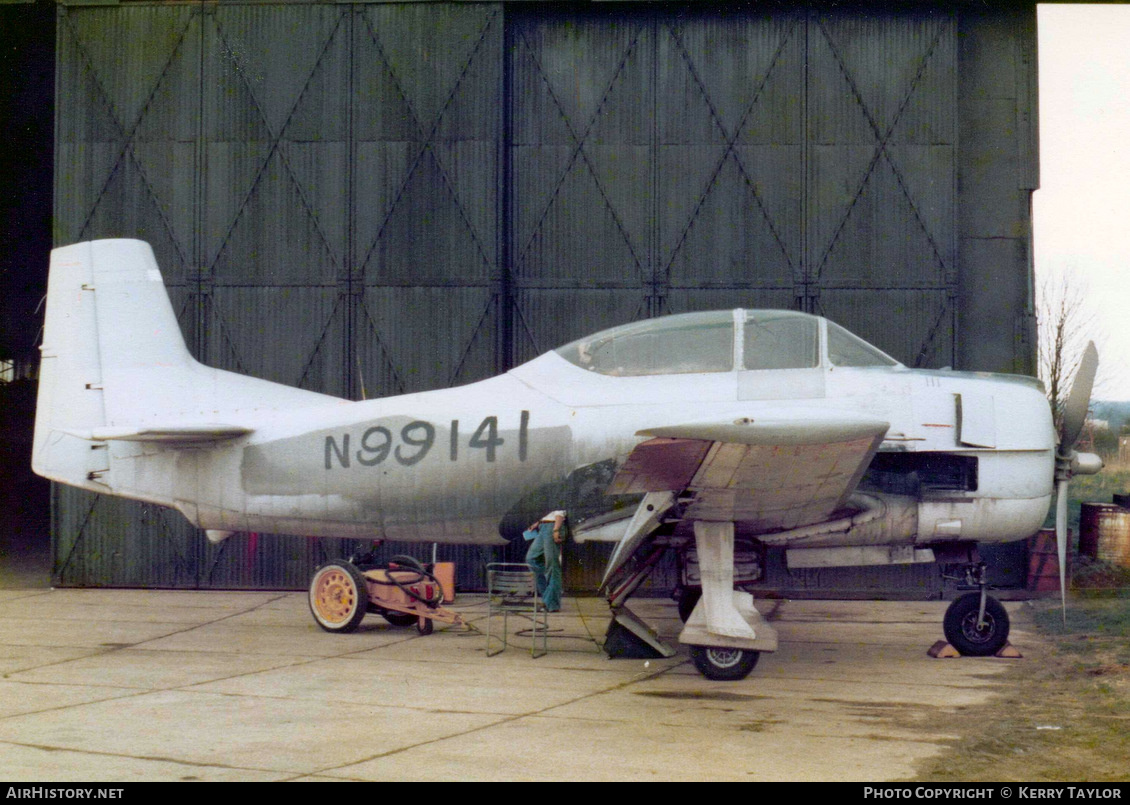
<point x="976" y="624"/>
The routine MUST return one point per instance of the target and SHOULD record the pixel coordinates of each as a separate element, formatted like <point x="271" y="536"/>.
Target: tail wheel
<point x="724" y="663"/>
<point x="339" y="597"/>
<point x="971" y="638"/>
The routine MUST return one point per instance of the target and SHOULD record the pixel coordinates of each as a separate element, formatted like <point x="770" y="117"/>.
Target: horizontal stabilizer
<point x="180" y="434"/>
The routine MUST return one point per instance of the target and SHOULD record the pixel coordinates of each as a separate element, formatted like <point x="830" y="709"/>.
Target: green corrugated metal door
<point x="425" y="127"/>
<point x="319" y="185"/>
<point x="341" y="200"/>
<point x="881" y="178"/>
<point x="725" y="157"/>
<point x="654" y="160"/>
<point x="425" y="271"/>
<point x="272" y="221"/>
<point x="126" y="149"/>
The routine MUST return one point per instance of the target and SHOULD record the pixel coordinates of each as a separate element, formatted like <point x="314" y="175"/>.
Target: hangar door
<point x="672" y="160"/>
<point x="386" y="197"/>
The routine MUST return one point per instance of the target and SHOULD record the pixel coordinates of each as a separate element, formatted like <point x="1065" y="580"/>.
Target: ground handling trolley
<point x="404" y="592"/>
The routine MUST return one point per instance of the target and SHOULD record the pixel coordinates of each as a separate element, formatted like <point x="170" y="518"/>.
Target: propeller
<point x="1067" y="461"/>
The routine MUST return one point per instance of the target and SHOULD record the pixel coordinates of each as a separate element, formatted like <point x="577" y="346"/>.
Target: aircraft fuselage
<point x="446" y="465"/>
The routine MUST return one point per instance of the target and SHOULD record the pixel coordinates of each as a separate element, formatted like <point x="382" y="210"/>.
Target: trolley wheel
<point x="339" y="597"/>
<point x="424" y="625"/>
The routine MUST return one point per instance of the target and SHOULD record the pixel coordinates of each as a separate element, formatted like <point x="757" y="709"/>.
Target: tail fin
<point x="115" y="367"/>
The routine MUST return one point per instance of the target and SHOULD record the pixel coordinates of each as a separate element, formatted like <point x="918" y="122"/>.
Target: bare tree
<point x="1065" y="325"/>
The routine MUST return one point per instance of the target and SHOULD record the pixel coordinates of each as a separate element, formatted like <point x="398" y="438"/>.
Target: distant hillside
<point x="1116" y="413"/>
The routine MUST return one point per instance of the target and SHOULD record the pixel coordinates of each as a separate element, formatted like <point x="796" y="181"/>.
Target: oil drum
<point x="1104" y="533"/>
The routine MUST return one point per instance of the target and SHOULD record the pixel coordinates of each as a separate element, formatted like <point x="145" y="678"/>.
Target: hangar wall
<point x="376" y="198"/>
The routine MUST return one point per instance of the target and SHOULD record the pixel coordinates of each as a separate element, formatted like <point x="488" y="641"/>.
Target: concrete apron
<point x="122" y="685"/>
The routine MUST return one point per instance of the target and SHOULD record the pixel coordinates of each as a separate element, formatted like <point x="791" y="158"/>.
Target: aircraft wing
<point x="777" y="473"/>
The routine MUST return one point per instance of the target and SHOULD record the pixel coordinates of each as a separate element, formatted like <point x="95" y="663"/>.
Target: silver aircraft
<point x="779" y="427"/>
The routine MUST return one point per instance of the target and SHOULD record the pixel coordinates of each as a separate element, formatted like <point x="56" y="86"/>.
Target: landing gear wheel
<point x="687" y="601"/>
<point x="961" y="629"/>
<point x="339" y="597"/>
<point x="398" y="618"/>
<point x="424" y="625"/>
<point x="724" y="663"/>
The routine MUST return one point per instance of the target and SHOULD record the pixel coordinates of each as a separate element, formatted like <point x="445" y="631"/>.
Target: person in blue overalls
<point x="544" y="557"/>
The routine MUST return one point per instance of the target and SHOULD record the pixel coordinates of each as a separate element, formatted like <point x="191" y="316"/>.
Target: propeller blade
<point x="1074" y="417"/>
<point x="1061" y="541"/>
<point x="1075" y="407"/>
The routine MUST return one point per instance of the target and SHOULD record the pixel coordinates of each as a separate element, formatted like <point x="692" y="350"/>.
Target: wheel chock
<point x="943" y="651"/>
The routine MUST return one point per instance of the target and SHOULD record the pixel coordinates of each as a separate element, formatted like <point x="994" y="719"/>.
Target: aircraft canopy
<point x="707" y="342"/>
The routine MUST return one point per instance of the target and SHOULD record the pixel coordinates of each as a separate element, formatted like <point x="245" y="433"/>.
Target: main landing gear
<point x="723" y="630"/>
<point x="724" y="664"/>
<point x="976" y="624"/>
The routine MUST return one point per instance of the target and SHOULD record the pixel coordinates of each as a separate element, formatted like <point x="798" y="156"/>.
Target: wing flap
<point x="659" y="465"/>
<point x="779" y="473"/>
<point x="779" y="487"/>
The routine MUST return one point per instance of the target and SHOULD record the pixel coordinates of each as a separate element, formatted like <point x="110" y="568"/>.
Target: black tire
<point x="408" y="563"/>
<point x="960" y="626"/>
<point x="687" y="601"/>
<point x="722" y="663"/>
<point x="398" y="618"/>
<point x="425" y="625"/>
<point x="338" y="597"/>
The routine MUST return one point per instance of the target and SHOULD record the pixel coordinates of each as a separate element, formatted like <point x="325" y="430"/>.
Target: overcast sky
<point x="1082" y="209"/>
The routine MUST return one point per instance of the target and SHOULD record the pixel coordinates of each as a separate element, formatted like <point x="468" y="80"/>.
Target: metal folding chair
<point x="512" y="589"/>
